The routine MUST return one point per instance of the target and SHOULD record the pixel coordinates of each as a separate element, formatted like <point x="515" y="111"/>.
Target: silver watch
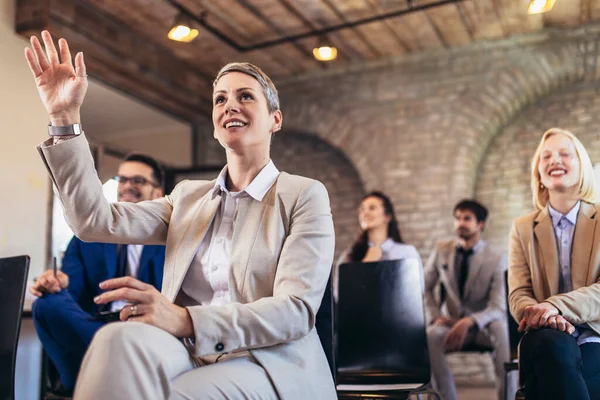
<point x="65" y="130"/>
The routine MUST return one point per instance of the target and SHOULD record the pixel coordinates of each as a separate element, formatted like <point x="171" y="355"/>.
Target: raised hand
<point x="61" y="87"/>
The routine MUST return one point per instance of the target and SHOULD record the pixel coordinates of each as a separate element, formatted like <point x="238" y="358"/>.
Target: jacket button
<point x="219" y="347"/>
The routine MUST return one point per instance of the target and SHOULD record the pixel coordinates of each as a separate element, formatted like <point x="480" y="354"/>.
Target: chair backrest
<point x="514" y="336"/>
<point x="13" y="279"/>
<point x="324" y="325"/>
<point x="381" y="324"/>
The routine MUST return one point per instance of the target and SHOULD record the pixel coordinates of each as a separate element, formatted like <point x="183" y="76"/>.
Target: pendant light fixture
<point x="324" y="50"/>
<point x="540" y="6"/>
<point x="182" y="30"/>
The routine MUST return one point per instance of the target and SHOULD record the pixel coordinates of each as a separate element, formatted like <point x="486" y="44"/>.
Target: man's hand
<point x="373" y="254"/>
<point x="443" y="321"/>
<point x="536" y="316"/>
<point x="457" y="335"/>
<point x="47" y="283"/>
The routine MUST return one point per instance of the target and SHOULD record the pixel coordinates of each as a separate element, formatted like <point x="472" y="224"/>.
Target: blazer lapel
<point x="451" y="254"/>
<point x="545" y="243"/>
<point x="195" y="231"/>
<point x="248" y="221"/>
<point x="583" y="242"/>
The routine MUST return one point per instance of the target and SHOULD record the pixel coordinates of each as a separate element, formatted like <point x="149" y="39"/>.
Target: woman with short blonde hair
<point x="248" y="255"/>
<point x="554" y="267"/>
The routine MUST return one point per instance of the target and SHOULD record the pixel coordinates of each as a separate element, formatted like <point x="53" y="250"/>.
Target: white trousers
<point x="131" y="361"/>
<point x="494" y="335"/>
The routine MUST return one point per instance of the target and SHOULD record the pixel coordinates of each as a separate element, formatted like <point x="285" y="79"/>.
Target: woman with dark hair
<point x="379" y="238"/>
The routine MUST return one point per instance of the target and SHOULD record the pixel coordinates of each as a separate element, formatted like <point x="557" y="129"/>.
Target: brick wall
<point x="311" y="157"/>
<point x="420" y="127"/>
<point x="307" y="155"/>
<point x="503" y="183"/>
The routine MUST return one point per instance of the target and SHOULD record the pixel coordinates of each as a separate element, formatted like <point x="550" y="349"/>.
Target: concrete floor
<point x="476" y="393"/>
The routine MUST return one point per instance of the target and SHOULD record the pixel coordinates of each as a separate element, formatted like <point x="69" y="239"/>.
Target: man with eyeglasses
<point x="65" y="315"/>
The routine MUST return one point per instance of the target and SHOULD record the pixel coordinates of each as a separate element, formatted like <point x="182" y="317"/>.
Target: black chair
<point x="514" y="337"/>
<point x="381" y="331"/>
<point x="324" y="326"/>
<point x="13" y="279"/>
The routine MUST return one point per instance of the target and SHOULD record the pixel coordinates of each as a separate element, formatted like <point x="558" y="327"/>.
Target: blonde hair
<point x="269" y="89"/>
<point x="587" y="185"/>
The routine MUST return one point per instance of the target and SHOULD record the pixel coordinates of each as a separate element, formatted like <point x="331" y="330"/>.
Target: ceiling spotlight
<point x="540" y="6"/>
<point x="182" y="30"/>
<point x="324" y="50"/>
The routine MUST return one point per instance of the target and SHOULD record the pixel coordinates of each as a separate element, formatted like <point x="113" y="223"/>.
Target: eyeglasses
<point x="134" y="180"/>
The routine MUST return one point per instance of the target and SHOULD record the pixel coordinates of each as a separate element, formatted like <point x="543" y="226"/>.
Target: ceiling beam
<point x="496" y="8"/>
<point x="301" y="17"/>
<point x="277" y="29"/>
<point x="464" y="21"/>
<point x="356" y="32"/>
<point x="436" y="30"/>
<point x="203" y="21"/>
<point x="121" y="57"/>
<point x="389" y="27"/>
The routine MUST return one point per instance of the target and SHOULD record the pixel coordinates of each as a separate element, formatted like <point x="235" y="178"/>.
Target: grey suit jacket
<point x="281" y="259"/>
<point x="485" y="292"/>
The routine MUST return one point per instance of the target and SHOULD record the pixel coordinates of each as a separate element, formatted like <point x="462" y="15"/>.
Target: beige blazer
<point x="281" y="259"/>
<point x="485" y="293"/>
<point x="533" y="271"/>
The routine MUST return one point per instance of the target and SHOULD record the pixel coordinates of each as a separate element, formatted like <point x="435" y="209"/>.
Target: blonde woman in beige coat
<point x="553" y="274"/>
<point x="247" y="258"/>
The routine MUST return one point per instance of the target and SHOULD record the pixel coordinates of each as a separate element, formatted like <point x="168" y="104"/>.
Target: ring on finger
<point x="133" y="309"/>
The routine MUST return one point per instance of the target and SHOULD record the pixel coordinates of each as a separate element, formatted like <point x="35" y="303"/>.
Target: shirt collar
<point x="478" y="246"/>
<point x="571" y="215"/>
<point x="386" y="245"/>
<point x="259" y="186"/>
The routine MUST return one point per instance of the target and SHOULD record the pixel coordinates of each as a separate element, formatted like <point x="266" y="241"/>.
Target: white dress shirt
<point x="564" y="231"/>
<point x="207" y="279"/>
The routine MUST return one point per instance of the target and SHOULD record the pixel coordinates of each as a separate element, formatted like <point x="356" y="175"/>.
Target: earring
<point x="541" y="185"/>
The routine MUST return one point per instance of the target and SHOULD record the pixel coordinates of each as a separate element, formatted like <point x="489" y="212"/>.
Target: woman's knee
<point x="119" y="335"/>
<point x="549" y="344"/>
<point x="437" y="334"/>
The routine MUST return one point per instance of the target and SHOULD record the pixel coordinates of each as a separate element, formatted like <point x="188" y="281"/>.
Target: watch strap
<point x="65" y="130"/>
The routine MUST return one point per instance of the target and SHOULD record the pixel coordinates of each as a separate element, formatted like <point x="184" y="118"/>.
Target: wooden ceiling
<point x="126" y="46"/>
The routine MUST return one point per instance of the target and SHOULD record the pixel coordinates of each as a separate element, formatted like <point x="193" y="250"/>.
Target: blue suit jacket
<point x="88" y="264"/>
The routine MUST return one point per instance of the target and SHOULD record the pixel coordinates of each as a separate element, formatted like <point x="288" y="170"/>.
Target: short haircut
<point x="269" y="89"/>
<point x="157" y="171"/>
<point x="480" y="212"/>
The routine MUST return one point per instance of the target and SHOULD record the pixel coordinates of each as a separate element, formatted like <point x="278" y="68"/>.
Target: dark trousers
<point x="553" y="366"/>
<point x="65" y="332"/>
